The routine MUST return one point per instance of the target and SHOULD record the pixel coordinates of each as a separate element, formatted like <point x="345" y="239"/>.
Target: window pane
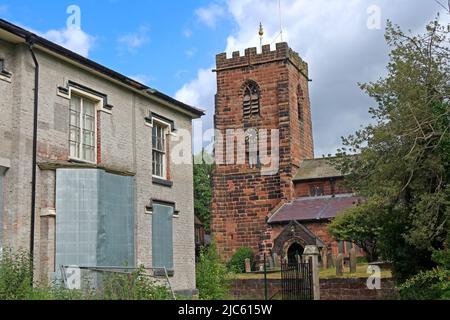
<point x="89" y="123"/>
<point x="74" y="150"/>
<point x="75" y="103"/>
<point x="154" y="136"/>
<point x="88" y="107"/>
<point x="74" y="130"/>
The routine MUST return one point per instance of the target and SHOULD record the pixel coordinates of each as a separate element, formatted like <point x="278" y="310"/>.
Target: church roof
<point x="314" y="209"/>
<point x="316" y="169"/>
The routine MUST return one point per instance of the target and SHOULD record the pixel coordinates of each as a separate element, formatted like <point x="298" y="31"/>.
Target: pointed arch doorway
<point x="293" y="251"/>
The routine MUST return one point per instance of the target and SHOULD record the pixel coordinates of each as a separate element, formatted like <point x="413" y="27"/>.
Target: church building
<point x="283" y="211"/>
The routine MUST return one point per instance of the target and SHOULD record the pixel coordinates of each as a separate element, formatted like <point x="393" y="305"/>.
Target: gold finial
<point x="261" y="30"/>
<point x="261" y="34"/>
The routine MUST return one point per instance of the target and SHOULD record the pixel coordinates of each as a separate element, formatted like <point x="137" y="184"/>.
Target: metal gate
<point x="297" y="281"/>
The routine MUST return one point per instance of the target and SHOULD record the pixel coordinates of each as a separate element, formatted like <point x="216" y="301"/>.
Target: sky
<point x="171" y="45"/>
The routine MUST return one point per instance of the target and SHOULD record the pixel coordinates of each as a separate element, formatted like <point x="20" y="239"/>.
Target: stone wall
<point x="330" y="289"/>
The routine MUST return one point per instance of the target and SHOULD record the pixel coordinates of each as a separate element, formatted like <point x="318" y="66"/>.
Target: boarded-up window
<point x="251" y="99"/>
<point x="162" y="236"/>
<point x="95" y="218"/>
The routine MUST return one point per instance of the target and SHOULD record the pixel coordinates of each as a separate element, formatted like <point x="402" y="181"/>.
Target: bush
<point x="237" y="262"/>
<point x="134" y="286"/>
<point x="430" y="285"/>
<point x="212" y="275"/>
<point x="427" y="285"/>
<point x="15" y="276"/>
<point x="16" y="284"/>
<point x="362" y="260"/>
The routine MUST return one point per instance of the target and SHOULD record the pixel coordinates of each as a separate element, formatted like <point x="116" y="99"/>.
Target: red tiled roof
<point x="308" y="209"/>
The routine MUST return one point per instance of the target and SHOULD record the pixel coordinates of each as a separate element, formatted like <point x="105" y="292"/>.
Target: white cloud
<point x="135" y="40"/>
<point x="332" y="36"/>
<point x="72" y="38"/>
<point x="209" y="15"/>
<point x="191" y="52"/>
<point x="199" y="92"/>
<point x="187" y="33"/>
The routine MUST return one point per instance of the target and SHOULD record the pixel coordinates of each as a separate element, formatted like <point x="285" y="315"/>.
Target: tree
<point x="212" y="275"/>
<point x="203" y="188"/>
<point x="403" y="162"/>
<point x="361" y="225"/>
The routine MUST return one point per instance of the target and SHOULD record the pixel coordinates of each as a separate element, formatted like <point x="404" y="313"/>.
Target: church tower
<point x="267" y="90"/>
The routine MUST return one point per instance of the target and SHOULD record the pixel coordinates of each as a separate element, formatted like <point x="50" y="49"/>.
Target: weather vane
<point x="261" y="34"/>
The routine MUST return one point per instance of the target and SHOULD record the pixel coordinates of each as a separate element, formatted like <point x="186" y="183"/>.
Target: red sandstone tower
<point x="258" y="91"/>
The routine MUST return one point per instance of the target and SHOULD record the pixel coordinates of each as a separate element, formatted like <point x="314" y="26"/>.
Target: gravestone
<point x="248" y="266"/>
<point x="324" y="255"/>
<point x="298" y="258"/>
<point x="330" y="260"/>
<point x="276" y="261"/>
<point x="270" y="263"/>
<point x="353" y="261"/>
<point x="340" y="265"/>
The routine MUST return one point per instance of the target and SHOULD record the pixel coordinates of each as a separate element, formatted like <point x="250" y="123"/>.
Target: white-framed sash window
<point x="159" y="153"/>
<point x="83" y="129"/>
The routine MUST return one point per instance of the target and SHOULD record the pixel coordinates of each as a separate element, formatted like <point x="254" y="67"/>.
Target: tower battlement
<point x="251" y="57"/>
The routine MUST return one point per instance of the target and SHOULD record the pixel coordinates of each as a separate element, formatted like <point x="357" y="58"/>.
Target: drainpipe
<point x="30" y="43"/>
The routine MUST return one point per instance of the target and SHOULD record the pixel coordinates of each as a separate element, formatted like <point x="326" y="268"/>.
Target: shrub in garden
<point x="237" y="262"/>
<point x="134" y="286"/>
<point x="16" y="284"/>
<point x="212" y="275"/>
<point x="15" y="276"/>
<point x="432" y="284"/>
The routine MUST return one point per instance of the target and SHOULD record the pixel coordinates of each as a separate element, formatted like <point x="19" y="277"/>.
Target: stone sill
<point x="162" y="182"/>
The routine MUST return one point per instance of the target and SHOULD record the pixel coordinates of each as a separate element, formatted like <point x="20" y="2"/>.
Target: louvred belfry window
<point x="251" y="99"/>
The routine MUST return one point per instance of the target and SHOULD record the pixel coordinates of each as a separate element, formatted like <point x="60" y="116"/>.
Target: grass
<point x="361" y="272"/>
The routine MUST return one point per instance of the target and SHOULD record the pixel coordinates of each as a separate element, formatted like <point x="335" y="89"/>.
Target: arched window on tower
<point x="251" y="99"/>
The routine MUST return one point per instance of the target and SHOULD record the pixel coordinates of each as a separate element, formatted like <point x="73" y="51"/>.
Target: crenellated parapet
<point x="251" y="57"/>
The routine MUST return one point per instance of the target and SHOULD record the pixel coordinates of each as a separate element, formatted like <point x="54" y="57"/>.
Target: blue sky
<point x="171" y="45"/>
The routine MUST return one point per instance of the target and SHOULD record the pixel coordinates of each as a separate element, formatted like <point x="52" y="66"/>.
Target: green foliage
<point x="237" y="262"/>
<point x="203" y="188"/>
<point x="134" y="286"/>
<point x="361" y="225"/>
<point x="362" y="260"/>
<point x="212" y="275"/>
<point x="403" y="162"/>
<point x="15" y="276"/>
<point x="16" y="284"/>
<point x="432" y="284"/>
